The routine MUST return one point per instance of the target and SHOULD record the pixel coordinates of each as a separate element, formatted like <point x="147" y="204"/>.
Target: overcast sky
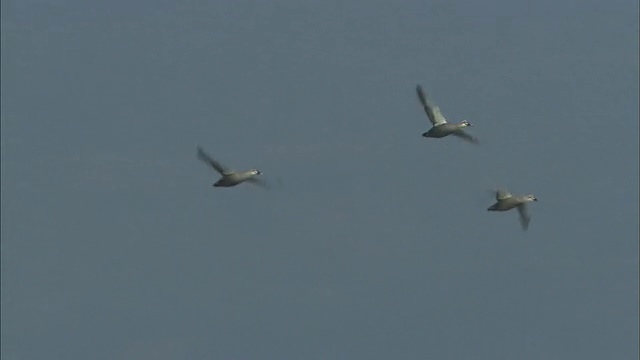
<point x="374" y="242"/>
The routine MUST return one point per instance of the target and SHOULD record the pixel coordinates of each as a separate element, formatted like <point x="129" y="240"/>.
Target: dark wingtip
<point x="421" y="95"/>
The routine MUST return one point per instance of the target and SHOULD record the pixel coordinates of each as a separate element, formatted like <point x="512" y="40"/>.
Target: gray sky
<point x="378" y="244"/>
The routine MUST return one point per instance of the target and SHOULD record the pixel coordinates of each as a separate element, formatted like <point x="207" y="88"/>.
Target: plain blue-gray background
<point x="374" y="243"/>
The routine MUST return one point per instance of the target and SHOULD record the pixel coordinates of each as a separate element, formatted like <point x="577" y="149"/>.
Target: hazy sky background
<point x="378" y="244"/>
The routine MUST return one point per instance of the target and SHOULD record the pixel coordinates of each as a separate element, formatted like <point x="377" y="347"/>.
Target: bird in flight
<point x="440" y="127"/>
<point x="229" y="177"/>
<point x="506" y="201"/>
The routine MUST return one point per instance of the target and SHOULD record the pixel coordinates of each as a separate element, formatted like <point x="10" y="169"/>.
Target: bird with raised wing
<point x="229" y="177"/>
<point x="440" y="127"/>
<point x="506" y="201"/>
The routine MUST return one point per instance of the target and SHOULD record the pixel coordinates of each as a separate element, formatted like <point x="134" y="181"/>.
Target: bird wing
<point x="463" y="135"/>
<point x="502" y="194"/>
<point x="223" y="170"/>
<point x="432" y="110"/>
<point x="524" y="216"/>
<point x="259" y="182"/>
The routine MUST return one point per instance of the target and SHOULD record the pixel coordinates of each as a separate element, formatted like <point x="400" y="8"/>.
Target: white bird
<point x="229" y="177"/>
<point x="441" y="127"/>
<point x="505" y="201"/>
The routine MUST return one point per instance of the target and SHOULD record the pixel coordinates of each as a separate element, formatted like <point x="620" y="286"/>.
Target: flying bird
<point x="505" y="201"/>
<point x="440" y="127"/>
<point x="229" y="177"/>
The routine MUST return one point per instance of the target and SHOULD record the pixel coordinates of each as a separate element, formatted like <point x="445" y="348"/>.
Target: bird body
<point x="233" y="179"/>
<point x="442" y="130"/>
